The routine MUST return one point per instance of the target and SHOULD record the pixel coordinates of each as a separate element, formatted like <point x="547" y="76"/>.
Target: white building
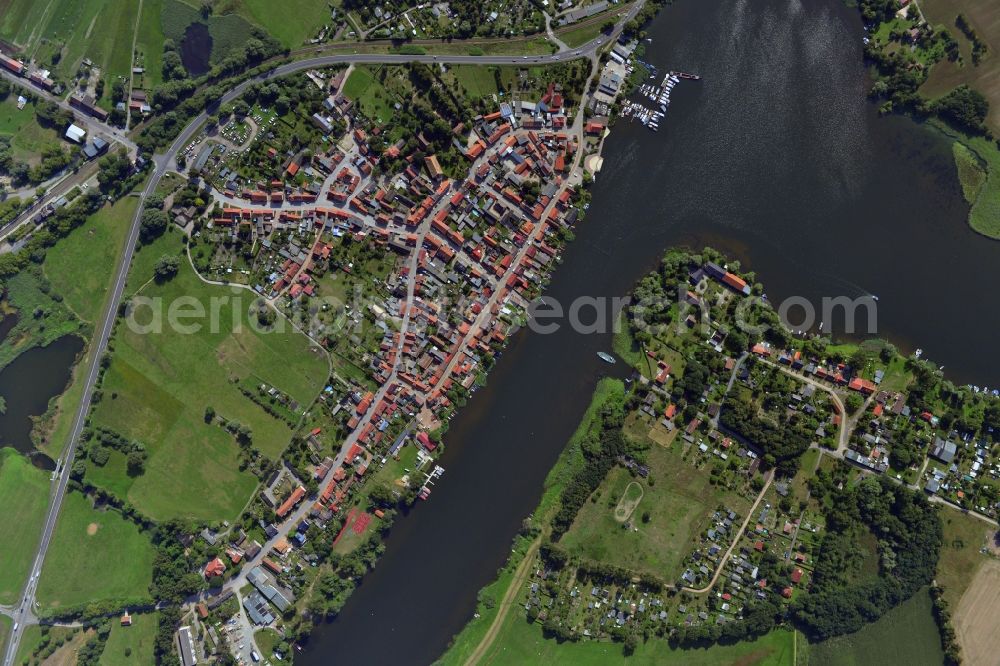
<point x="75" y="134"/>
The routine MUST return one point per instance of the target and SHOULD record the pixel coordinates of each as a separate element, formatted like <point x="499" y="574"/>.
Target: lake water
<point x="29" y="383"/>
<point x="775" y="158"/>
<point x="7" y="324"/>
<point x="196" y="49"/>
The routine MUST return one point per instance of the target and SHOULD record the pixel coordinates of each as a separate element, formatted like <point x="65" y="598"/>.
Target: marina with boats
<point x="659" y="95"/>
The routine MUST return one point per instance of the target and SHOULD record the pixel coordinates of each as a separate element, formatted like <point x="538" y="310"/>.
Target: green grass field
<point x="149" y="44"/>
<point x="370" y="95"/>
<point x="960" y="557"/>
<point x="679" y="504"/>
<point x="574" y="37"/>
<point x="266" y="639"/>
<point x="94" y="556"/>
<point x="24" y="494"/>
<point x="136" y="640"/>
<point x="476" y="80"/>
<point x="5" y="625"/>
<point x="292" y="22"/>
<point x="159" y="384"/>
<point x="97" y="245"/>
<point x="628" y="348"/>
<point x="27" y="138"/>
<point x="905" y="635"/>
<point x="522" y="643"/>
<point x="82" y="265"/>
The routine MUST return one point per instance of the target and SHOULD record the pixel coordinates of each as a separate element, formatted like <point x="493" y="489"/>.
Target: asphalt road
<point x="24" y="614"/>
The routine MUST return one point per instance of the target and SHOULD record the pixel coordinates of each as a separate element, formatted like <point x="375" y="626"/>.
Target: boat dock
<point x="659" y="95"/>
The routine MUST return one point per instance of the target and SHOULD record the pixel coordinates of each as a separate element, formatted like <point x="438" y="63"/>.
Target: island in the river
<point x="753" y="492"/>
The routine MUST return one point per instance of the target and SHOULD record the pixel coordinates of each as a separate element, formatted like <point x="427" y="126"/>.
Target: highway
<point x="23" y="614"/>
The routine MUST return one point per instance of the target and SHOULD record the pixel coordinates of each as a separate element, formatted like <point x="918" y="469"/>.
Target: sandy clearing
<point x="92" y="529"/>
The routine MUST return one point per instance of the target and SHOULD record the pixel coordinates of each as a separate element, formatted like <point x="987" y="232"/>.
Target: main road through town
<point x="23" y="613"/>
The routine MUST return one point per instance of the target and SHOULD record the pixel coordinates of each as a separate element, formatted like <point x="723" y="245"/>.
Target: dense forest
<point x="909" y="537"/>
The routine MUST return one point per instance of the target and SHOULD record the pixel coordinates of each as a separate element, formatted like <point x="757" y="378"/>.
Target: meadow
<point x="82" y="265"/>
<point x="576" y="36"/>
<point x="292" y="22"/>
<point x="97" y="244"/>
<point x="960" y="558"/>
<point x="984" y="17"/>
<point x="5" y="625"/>
<point x="28" y="139"/>
<point x="95" y="555"/>
<point x="678" y="503"/>
<point x="905" y="635"/>
<point x="523" y="643"/>
<point x="137" y="641"/>
<point x="266" y="639"/>
<point x="371" y="96"/>
<point x="158" y="386"/>
<point x="24" y="494"/>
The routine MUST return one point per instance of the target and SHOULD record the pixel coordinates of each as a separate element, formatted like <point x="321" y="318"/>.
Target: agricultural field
<point x="228" y="31"/>
<point x="60" y="34"/>
<point x="131" y="646"/>
<point x="24" y="494"/>
<point x="159" y="385"/>
<point x="293" y="22"/>
<point x="905" y="635"/>
<point x="649" y="525"/>
<point x="95" y="555"/>
<point x="984" y="18"/>
<point x="975" y="616"/>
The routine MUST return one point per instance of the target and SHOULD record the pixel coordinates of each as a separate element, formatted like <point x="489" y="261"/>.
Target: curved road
<point x="23" y="614"/>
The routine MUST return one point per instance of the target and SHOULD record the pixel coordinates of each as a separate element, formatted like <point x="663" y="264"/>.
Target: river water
<point x="775" y="158"/>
